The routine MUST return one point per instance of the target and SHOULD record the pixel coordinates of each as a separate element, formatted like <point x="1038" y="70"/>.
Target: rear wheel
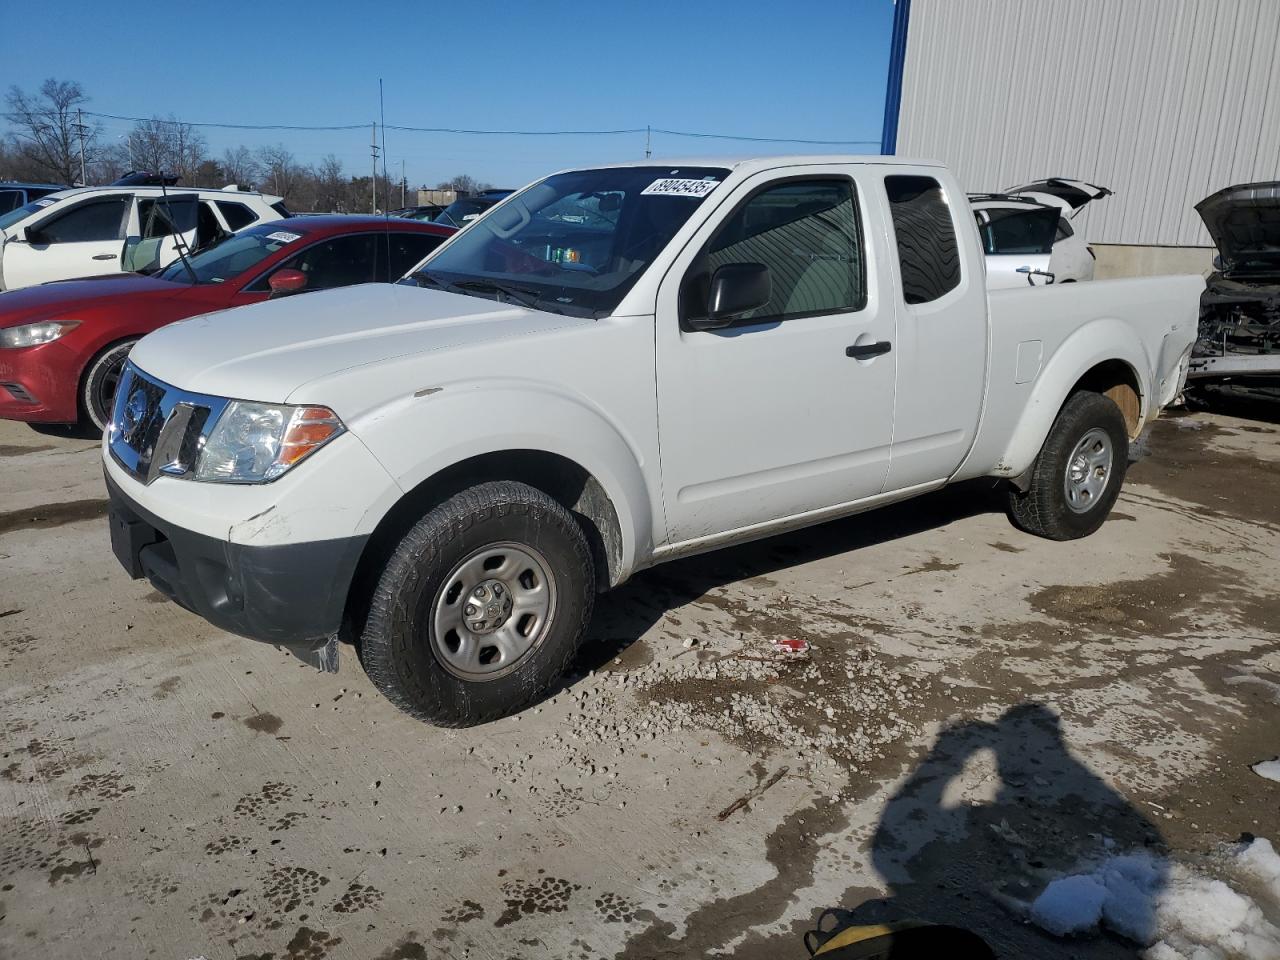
<point x="1077" y="476"/>
<point x="480" y="607"/>
<point x="98" y="389"/>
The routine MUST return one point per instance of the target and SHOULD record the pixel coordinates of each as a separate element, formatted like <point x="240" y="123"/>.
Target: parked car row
<point x="63" y="345"/>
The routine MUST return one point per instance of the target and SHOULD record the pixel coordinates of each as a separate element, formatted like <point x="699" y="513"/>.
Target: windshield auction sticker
<point x="670" y="187"/>
<point x="281" y="236"/>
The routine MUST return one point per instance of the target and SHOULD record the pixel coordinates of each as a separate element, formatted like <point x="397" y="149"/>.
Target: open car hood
<point x="1071" y="196"/>
<point x="1244" y="222"/>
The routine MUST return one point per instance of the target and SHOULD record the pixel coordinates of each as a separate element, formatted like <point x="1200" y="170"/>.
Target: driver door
<point x="85" y="240"/>
<point x="788" y="410"/>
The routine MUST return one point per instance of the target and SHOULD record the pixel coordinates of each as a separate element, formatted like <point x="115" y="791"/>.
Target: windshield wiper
<point x="507" y="291"/>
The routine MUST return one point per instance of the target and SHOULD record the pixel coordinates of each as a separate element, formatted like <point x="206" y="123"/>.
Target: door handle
<point x="104" y="256"/>
<point x="865" y="351"/>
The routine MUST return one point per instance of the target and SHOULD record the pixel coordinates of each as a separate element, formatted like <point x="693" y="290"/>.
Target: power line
<point x="466" y="131"/>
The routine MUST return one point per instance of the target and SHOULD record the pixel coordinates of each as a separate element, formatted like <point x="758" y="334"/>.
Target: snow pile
<point x="1173" y="911"/>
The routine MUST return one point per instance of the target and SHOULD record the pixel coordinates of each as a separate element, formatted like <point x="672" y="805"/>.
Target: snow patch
<point x="1268" y="769"/>
<point x="1176" y="913"/>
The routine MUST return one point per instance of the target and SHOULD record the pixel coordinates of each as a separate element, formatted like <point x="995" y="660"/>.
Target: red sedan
<point x="62" y="345"/>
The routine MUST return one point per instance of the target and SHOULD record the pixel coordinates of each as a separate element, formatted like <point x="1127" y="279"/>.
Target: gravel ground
<point x="977" y="712"/>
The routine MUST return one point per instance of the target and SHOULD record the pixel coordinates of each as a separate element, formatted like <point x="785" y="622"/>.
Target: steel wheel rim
<point x="492" y="611"/>
<point x="1088" y="471"/>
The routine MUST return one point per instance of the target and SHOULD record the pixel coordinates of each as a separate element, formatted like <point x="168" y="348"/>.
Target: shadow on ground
<point x="992" y="813"/>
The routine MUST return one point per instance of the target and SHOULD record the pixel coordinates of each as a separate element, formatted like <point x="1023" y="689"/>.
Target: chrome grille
<point x="156" y="428"/>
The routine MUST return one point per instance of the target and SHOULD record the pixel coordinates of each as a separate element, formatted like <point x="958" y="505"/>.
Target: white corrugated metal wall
<point x="1163" y="101"/>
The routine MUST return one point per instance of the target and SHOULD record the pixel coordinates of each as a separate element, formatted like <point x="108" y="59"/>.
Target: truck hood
<point x="1244" y="222"/>
<point x="48" y="301"/>
<point x="266" y="351"/>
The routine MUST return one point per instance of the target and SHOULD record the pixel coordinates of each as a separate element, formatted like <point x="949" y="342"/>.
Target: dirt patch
<point x="52" y="515"/>
<point x="13" y="450"/>
<point x="1184" y="463"/>
<point x="264" y="723"/>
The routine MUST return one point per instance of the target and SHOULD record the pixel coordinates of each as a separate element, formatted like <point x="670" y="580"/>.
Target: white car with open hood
<point x="91" y="231"/>
<point x="612" y="368"/>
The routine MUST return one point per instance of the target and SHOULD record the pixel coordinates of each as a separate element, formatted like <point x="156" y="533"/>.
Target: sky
<point x="808" y="69"/>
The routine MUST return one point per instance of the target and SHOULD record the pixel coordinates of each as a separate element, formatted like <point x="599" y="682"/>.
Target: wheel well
<point x="559" y="477"/>
<point x="1115" y="379"/>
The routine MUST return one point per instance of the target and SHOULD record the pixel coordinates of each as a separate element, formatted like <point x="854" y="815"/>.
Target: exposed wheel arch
<point x="1119" y="382"/>
<point x="565" y="481"/>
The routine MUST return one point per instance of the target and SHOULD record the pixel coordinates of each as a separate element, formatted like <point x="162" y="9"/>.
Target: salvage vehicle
<point x="1027" y="235"/>
<point x="1239" y="338"/>
<point x="88" y="231"/>
<point x="613" y="368"/>
<point x="63" y="345"/>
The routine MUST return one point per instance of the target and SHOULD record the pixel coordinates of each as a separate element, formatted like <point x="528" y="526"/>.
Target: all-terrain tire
<point x="1044" y="509"/>
<point x="97" y="388"/>
<point x="397" y="646"/>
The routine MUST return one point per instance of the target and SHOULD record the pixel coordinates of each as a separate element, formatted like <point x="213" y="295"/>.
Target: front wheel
<point x="1078" y="474"/>
<point x="480" y="607"/>
<point x="98" y="390"/>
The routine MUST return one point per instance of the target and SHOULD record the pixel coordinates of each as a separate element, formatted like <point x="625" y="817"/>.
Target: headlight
<point x="257" y="442"/>
<point x="33" y="334"/>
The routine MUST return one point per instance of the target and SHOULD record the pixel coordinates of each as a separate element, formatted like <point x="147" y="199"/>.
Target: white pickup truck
<point x="612" y="368"/>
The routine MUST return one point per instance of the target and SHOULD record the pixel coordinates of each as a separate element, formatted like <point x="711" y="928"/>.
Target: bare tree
<point x="280" y="170"/>
<point x="240" y="166"/>
<point x="45" y="129"/>
<point x="464" y="183"/>
<point x="331" y="185"/>
<point x="168" y="146"/>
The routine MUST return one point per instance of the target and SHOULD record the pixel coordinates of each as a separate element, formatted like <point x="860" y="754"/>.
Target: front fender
<point x="418" y="437"/>
<point x="1099" y="341"/>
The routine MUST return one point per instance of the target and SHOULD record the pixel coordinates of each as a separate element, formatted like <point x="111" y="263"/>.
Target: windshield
<point x="21" y="213"/>
<point x="233" y="256"/>
<point x="462" y="212"/>
<point x="576" y="242"/>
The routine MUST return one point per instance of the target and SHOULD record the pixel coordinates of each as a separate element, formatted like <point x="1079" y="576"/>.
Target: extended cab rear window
<point x="926" y="237"/>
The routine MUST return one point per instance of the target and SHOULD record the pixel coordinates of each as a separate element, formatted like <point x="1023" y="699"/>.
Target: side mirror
<point x="736" y="288"/>
<point x="285" y="282"/>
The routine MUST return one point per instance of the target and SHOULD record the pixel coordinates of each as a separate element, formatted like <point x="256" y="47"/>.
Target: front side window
<point x="93" y="221"/>
<point x="575" y="243"/>
<point x="928" y="254"/>
<point x="806" y="232"/>
<point x="11" y="200"/>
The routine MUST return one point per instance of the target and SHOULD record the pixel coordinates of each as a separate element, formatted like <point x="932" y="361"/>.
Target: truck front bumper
<point x="292" y="595"/>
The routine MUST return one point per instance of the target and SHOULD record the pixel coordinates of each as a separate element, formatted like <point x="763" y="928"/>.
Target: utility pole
<point x="80" y="129"/>
<point x="373" y="151"/>
<point x="404" y="184"/>
<point x="648" y="134"/>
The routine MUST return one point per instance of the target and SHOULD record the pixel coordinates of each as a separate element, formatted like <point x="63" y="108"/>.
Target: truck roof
<point x="753" y="163"/>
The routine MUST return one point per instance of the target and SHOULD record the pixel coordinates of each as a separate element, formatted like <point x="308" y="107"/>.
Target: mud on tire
<point x="399" y="646"/>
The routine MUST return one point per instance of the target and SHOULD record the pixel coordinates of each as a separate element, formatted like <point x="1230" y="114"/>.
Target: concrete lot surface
<point x="979" y="710"/>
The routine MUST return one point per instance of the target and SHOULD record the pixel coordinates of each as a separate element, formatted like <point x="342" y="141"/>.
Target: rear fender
<point x="1102" y="340"/>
